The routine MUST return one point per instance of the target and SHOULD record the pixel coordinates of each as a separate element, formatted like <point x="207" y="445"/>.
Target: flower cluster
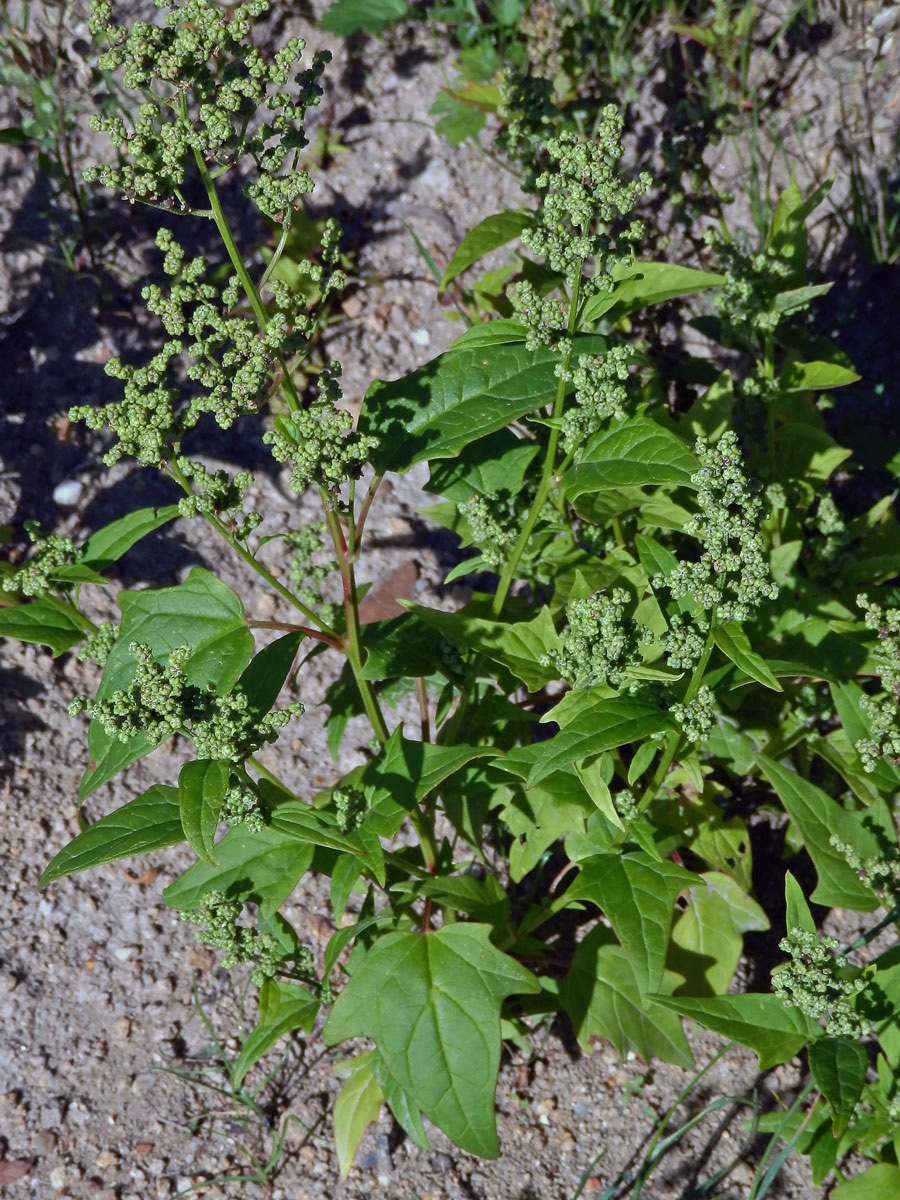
<point x="350" y="808"/>
<point x="697" y="716"/>
<point x="160" y="701"/>
<point x="881" y="872"/>
<point x="490" y="532"/>
<point x="240" y="807"/>
<point x="732" y="574"/>
<point x="600" y="642"/>
<point x="684" y="641"/>
<point x="218" y="918"/>
<point x="883" y="711"/>
<point x="747" y="300"/>
<point x="320" y="442"/>
<point x="814" y="981"/>
<point x="99" y="644"/>
<point x="51" y="551"/>
<point x="243" y="104"/>
<point x="601" y="392"/>
<point x="215" y="492"/>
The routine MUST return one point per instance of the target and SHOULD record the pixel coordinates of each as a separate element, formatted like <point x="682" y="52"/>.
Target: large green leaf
<point x="201" y="790"/>
<point x="489" y="234"/>
<point x="605" y="725"/>
<point x="519" y="646"/>
<point x="431" y="1003"/>
<point x="496" y="464"/>
<point x="283" y="1007"/>
<point x="838" y="1066"/>
<point x="635" y="453"/>
<point x="708" y="936"/>
<point x="41" y="622"/>
<point x="151" y="822"/>
<point x="346" y="17"/>
<point x="263" y="867"/>
<point x="602" y="997"/>
<point x="881" y="1181"/>
<point x="264" y="677"/>
<point x="108" y="544"/>
<point x="774" y="1031"/>
<point x="401" y="647"/>
<point x="203" y="613"/>
<point x="649" y="283"/>
<point x="357" y="1105"/>
<point x="455" y="399"/>
<point x="735" y="645"/>
<point x="812" y="376"/>
<point x="817" y="816"/>
<point x="637" y="895"/>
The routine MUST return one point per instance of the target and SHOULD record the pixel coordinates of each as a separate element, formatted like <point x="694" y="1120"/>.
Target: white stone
<point x="68" y="493"/>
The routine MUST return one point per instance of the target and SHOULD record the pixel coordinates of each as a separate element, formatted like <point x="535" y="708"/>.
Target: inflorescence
<point x="815" y="982"/>
<point x="882" y="711"/>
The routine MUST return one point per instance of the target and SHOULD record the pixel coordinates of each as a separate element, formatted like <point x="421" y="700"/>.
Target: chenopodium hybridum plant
<point x="669" y="642"/>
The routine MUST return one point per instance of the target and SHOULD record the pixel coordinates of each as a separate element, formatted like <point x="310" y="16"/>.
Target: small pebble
<point x="68" y="493"/>
<point x="421" y="337"/>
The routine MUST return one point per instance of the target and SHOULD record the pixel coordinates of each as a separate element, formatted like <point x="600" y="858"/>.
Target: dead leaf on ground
<point x="15" y="1169"/>
<point x="380" y="603"/>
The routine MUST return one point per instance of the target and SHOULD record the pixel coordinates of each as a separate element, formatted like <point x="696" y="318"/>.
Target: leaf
<point x="263" y="867"/>
<point x="405" y="1113"/>
<point x="455" y="399"/>
<point x="604" y="725"/>
<point x="201" y="789"/>
<point x="797" y="914"/>
<point x="496" y="464"/>
<point x="346" y="17"/>
<point x="637" y="895"/>
<point x="760" y="1021"/>
<point x="649" y="283"/>
<point x="203" y="613"/>
<point x="431" y="1003"/>
<point x="151" y="822"/>
<point x="519" y="646"/>
<point x="838" y="1066"/>
<point x="602" y="997"/>
<point x="357" y="1105"/>
<point x="402" y="647"/>
<point x="708" y="937"/>
<point x="735" y="645"/>
<point x="283" y="1007"/>
<point x="634" y="453"/>
<point x="457" y="119"/>
<point x="264" y="677"/>
<point x="108" y="544"/>
<point x="877" y="1182"/>
<point x="814" y="376"/>
<point x="41" y="622"/>
<point x="489" y="234"/>
<point x="817" y="817"/>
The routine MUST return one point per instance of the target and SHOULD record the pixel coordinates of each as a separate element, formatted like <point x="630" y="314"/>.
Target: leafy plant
<point x="675" y="637"/>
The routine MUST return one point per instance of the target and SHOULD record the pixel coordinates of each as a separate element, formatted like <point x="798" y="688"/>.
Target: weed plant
<point x="683" y="630"/>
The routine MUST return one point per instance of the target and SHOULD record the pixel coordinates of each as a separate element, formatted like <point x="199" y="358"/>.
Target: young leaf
<point x="431" y="1003"/>
<point x="649" y="283"/>
<point x="151" y="822"/>
<point x="635" y="453"/>
<point x="489" y="234"/>
<point x="108" y="544"/>
<point x="774" y="1031"/>
<point x="458" y="119"/>
<point x="263" y="867"/>
<point x="735" y="645"/>
<point x="201" y="789"/>
<point x="602" y="997"/>
<point x="814" y="376"/>
<point x="817" y="817"/>
<point x="357" y="1105"/>
<point x="637" y="896"/>
<point x="708" y="937"/>
<point x="283" y="1007"/>
<point x="797" y="914"/>
<point x="838" y="1066"/>
<point x="346" y="17"/>
<point x="42" y="622"/>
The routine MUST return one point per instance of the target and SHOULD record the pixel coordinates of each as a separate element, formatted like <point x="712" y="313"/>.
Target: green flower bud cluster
<point x="732" y="574"/>
<point x="51" y="551"/>
<point x="684" y="642"/>
<point x="242" y="104"/>
<point x="216" y="492"/>
<point x="585" y="196"/>
<point x="320" y="442"/>
<point x="626" y="806"/>
<point x="160" y="701"/>
<point x="526" y="105"/>
<point x="601" y="392"/>
<point x="308" y="575"/>
<point x="99" y="644"/>
<point x="492" y="531"/>
<point x="813" y="704"/>
<point x="350" y="808"/>
<point x="882" y="711"/>
<point x="218" y="918"/>
<point x="880" y="872"/>
<point x="544" y="318"/>
<point x="697" y="716"/>
<point x="814" y="982"/>
<point x="600" y="642"/>
<point x="747" y="298"/>
<point x="240" y="807"/>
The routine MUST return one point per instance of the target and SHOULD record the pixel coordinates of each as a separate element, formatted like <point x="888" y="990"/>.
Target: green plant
<point x="671" y="642"/>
